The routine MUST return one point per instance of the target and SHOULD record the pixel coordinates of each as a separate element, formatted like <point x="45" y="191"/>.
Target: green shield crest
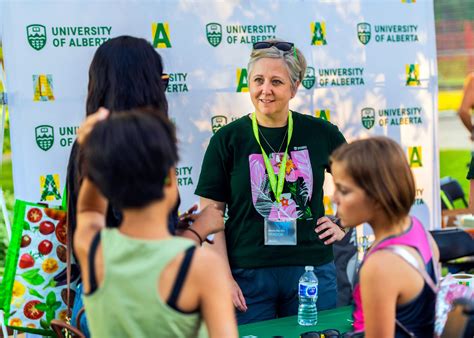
<point x="36" y="35"/>
<point x="218" y="122"/>
<point x="364" y="32"/>
<point x="44" y="137"/>
<point x="214" y="33"/>
<point x="368" y="117"/>
<point x="309" y="78"/>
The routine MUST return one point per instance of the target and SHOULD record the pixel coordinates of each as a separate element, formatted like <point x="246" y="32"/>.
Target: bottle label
<point x="308" y="290"/>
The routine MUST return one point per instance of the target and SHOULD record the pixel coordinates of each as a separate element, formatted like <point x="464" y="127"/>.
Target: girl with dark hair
<point x="126" y="73"/>
<point x="139" y="280"/>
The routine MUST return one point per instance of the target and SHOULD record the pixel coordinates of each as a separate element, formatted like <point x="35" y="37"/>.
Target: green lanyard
<point x="276" y="185"/>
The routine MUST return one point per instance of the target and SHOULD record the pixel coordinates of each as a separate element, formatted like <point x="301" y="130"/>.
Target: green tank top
<point x="128" y="303"/>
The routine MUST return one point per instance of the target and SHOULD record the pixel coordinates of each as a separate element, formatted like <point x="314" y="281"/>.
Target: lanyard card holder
<point x="280" y="232"/>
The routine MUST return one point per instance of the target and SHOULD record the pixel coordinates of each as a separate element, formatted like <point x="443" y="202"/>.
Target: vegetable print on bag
<point x="37" y="277"/>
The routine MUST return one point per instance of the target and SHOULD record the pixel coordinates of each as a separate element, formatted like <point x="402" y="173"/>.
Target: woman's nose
<point x="266" y="87"/>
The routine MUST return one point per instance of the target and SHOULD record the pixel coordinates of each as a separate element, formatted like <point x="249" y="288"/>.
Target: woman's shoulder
<point x="381" y="269"/>
<point x="309" y="125"/>
<point x="312" y="122"/>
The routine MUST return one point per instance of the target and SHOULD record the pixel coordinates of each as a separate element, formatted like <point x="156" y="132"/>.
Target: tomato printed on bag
<point x="38" y="293"/>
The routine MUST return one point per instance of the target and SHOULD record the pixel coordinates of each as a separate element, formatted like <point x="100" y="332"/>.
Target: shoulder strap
<point x="404" y="329"/>
<point x="408" y="257"/>
<point x="91" y="261"/>
<point x="181" y="276"/>
<point x="413" y="262"/>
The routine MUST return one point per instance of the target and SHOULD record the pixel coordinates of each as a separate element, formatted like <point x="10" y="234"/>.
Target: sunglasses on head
<point x="165" y="78"/>
<point x="280" y="45"/>
<point x="329" y="333"/>
<point x="283" y="46"/>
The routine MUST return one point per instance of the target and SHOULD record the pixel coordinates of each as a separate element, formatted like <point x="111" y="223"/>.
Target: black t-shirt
<point x="233" y="172"/>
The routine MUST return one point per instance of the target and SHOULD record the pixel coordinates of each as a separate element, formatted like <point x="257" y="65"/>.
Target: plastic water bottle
<point x="308" y="295"/>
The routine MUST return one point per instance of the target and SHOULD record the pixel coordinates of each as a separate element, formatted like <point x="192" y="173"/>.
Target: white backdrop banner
<point x="371" y="71"/>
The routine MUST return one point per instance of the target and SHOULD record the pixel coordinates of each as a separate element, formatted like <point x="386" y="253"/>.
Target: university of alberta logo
<point x="44" y="136"/>
<point x="36" y="35"/>
<point x="49" y="187"/>
<point x="367" y="116"/>
<point x="363" y="32"/>
<point x="413" y="74"/>
<point x="43" y="87"/>
<point x="324" y="114"/>
<point x="318" y="30"/>
<point x="214" y="33"/>
<point x="309" y="78"/>
<point x="160" y="33"/>
<point x="218" y="122"/>
<point x="242" y="84"/>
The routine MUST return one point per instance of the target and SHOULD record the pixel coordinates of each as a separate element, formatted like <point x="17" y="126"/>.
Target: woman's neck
<point x="384" y="228"/>
<point x="273" y="120"/>
<point x="150" y="222"/>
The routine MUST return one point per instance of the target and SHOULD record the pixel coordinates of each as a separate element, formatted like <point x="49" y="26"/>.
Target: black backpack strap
<point x="91" y="259"/>
<point x="181" y="277"/>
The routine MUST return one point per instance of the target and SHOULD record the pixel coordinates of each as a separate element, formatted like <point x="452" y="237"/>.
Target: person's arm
<point x="197" y="226"/>
<point x="215" y="294"/>
<point x="467" y="104"/>
<point x="91" y="210"/>
<point x="220" y="248"/>
<point x="379" y="292"/>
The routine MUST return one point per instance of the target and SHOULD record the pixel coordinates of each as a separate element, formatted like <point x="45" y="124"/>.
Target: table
<point x="288" y="327"/>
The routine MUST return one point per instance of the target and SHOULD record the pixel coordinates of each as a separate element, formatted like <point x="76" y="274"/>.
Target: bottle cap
<point x="309" y="268"/>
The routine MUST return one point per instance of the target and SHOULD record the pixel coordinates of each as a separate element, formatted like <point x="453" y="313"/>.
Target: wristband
<point x="197" y="235"/>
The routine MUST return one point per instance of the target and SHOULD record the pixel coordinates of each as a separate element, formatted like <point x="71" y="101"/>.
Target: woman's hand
<point x="186" y="219"/>
<point x="328" y="230"/>
<point x="209" y="221"/>
<point x="238" y="297"/>
<point x="87" y="126"/>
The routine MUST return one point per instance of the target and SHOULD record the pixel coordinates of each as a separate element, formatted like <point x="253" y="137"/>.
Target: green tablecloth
<point x="288" y="327"/>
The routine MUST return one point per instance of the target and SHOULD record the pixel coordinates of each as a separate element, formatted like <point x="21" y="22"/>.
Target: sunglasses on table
<point x="165" y="78"/>
<point x="280" y="45"/>
<point x="329" y="333"/>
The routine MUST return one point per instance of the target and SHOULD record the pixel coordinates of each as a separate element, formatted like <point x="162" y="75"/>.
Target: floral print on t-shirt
<point x="294" y="201"/>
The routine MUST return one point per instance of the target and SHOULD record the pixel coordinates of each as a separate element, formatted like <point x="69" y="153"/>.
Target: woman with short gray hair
<point x="267" y="168"/>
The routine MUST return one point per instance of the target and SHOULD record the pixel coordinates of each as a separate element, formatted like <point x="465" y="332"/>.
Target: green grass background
<point x="455" y="163"/>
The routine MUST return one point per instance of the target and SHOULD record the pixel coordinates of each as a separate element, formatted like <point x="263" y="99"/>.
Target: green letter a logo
<point x="318" y="29"/>
<point x="414" y="155"/>
<point x="161" y="35"/>
<point x="242" y="84"/>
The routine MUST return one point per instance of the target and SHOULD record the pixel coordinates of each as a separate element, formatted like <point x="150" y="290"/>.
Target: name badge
<point x="280" y="232"/>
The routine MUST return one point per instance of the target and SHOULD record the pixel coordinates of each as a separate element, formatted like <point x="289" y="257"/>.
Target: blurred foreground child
<point x="139" y="280"/>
